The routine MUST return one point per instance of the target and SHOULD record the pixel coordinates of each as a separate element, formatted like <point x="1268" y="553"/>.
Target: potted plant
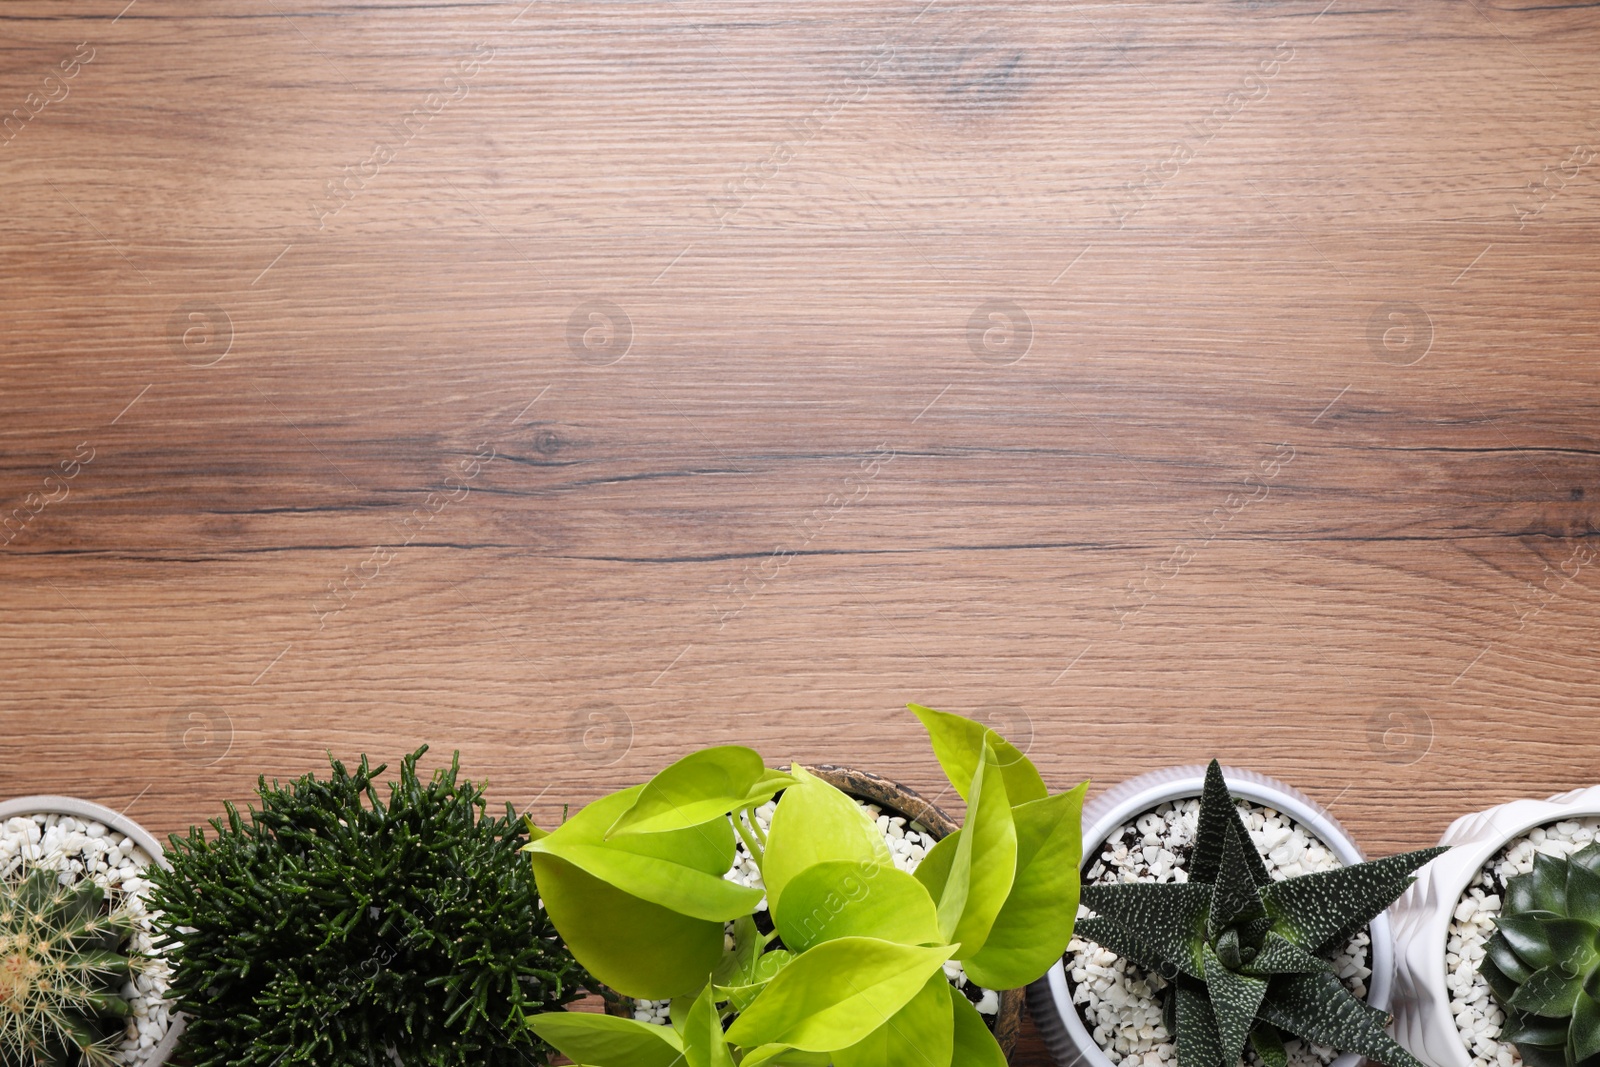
<point x="651" y="890"/>
<point x="910" y="826"/>
<point x="337" y="926"/>
<point x="1221" y="929"/>
<point x="81" y="982"/>
<point x="1447" y="1010"/>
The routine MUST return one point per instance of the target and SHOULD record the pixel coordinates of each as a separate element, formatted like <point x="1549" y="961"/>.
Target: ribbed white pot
<point x="1050" y="998"/>
<point x="91" y="812"/>
<point x="1423" y="1022"/>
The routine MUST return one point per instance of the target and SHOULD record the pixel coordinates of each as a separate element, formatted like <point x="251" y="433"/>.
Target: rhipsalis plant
<point x="1544" y="961"/>
<point x="62" y="965"/>
<point x="853" y="971"/>
<point x="1245" y="954"/>
<point x="335" y="927"/>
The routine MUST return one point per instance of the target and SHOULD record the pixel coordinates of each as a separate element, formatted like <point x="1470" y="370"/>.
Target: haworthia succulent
<point x="1319" y="1008"/>
<point x="1317" y="911"/>
<point x="1280" y="956"/>
<point x="1235" y="998"/>
<point x="1235" y="898"/>
<point x="1198" y="1043"/>
<point x="1245" y="952"/>
<point x="1217" y="813"/>
<point x="1168" y="917"/>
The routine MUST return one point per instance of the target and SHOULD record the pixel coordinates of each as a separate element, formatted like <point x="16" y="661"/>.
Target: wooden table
<point x="578" y="384"/>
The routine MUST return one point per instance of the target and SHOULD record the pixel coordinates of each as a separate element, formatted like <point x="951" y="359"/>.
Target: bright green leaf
<point x="703" y="1042"/>
<point x="984" y="864"/>
<point x="975" y="1045"/>
<point x="1035" y="923"/>
<point x="814" y="823"/>
<point x="843" y="899"/>
<point x="601" y="925"/>
<point x="708" y="848"/>
<point x="921" y="1034"/>
<point x="836" y="994"/>
<point x="606" y="1041"/>
<point x="783" y="1056"/>
<point x="958" y="744"/>
<point x="696" y="789"/>
<point x="749" y="984"/>
<point x="671" y="885"/>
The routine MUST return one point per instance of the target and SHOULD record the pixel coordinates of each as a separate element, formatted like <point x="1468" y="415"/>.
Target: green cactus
<point x="1245" y="954"/>
<point x="1543" y="962"/>
<point x="62" y="966"/>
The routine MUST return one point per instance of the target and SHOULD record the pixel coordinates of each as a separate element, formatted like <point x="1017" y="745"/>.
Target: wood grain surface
<point x="576" y="384"/>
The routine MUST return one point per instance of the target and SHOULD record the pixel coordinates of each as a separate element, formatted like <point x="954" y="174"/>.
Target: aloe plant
<point x="1245" y="954"/>
<point x="853" y="972"/>
<point x="62" y="965"/>
<point x="1543" y="962"/>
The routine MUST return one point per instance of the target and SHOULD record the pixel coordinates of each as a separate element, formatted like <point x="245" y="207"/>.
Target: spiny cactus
<point x="1543" y="962"/>
<point x="61" y="968"/>
<point x="1245" y="953"/>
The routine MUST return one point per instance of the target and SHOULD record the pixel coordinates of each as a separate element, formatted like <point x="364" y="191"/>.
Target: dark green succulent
<point x="1245" y="954"/>
<point x="1543" y="962"/>
<point x="62" y="963"/>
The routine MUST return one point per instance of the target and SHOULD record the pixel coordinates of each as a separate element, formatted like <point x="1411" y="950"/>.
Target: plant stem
<point x="751" y="844"/>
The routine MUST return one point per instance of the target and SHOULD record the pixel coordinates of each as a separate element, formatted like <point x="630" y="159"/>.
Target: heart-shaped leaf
<point x="836" y="994"/>
<point x="815" y="823"/>
<point x="606" y="1041"/>
<point x="1035" y="923"/>
<point x="918" y="1035"/>
<point x="984" y="862"/>
<point x="601" y="926"/>
<point x="703" y="1042"/>
<point x="843" y="899"/>
<point x="698" y="788"/>
<point x="958" y="743"/>
<point x="975" y="1045"/>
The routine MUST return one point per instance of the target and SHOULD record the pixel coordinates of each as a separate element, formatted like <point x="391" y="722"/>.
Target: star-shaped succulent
<point x="1246" y="955"/>
<point x="1543" y="962"/>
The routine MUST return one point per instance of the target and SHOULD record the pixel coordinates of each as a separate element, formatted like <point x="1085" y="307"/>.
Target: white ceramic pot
<point x="1050" y="998"/>
<point x="91" y="812"/>
<point x="1423" y="1022"/>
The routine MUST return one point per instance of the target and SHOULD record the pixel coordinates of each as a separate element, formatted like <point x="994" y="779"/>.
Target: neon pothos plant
<point x="1245" y="953"/>
<point x="853" y="973"/>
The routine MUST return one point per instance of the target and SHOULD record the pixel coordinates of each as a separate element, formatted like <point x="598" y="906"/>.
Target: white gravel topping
<point x="908" y="843"/>
<point x="77" y="850"/>
<point x="1478" y="1015"/>
<point x="1120" y="1001"/>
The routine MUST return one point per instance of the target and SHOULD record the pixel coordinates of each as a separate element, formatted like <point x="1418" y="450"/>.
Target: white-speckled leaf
<point x="1169" y="917"/>
<point x="1318" y="911"/>
<point x="1320" y="1009"/>
<point x="1234" y="1000"/>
